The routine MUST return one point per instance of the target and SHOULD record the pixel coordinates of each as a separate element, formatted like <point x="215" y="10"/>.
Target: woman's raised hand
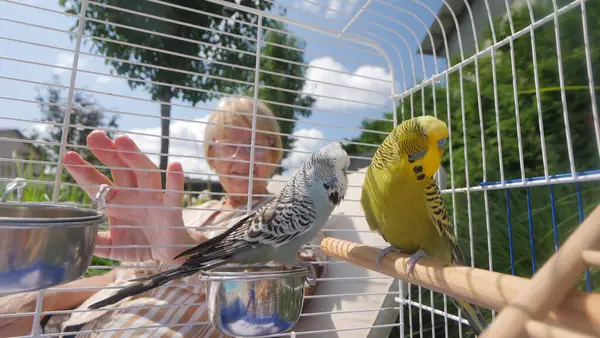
<point x="148" y="207"/>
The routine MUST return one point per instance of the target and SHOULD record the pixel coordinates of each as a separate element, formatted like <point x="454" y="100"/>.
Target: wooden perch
<point x="552" y="283"/>
<point x="489" y="289"/>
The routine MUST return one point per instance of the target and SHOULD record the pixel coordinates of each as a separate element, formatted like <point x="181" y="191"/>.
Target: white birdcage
<point x="513" y="80"/>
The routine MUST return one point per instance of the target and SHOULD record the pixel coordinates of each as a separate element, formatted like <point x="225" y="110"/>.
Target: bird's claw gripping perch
<point x="311" y="279"/>
<point x="384" y="252"/>
<point x="414" y="258"/>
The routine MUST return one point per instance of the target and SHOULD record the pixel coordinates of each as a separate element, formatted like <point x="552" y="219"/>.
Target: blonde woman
<point x="169" y="311"/>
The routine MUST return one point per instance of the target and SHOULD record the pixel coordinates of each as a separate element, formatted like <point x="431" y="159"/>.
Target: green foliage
<point x="479" y="131"/>
<point x="99" y="261"/>
<point x="189" y="200"/>
<point x="218" y="46"/>
<point x="114" y="29"/>
<point x="86" y="116"/>
<point x="132" y="41"/>
<point x="370" y="137"/>
<point x="577" y="101"/>
<point x="279" y="92"/>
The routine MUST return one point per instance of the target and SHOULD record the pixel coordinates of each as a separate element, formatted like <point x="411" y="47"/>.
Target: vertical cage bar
<point x="420" y="312"/>
<point x="554" y="223"/>
<point x="588" y="277"/>
<point x="563" y="95"/>
<point x="65" y="128"/>
<point x="36" y="327"/>
<point x="531" y="236"/>
<point x="590" y="73"/>
<point x="535" y="80"/>
<point x="510" y="241"/>
<point x="410" y="307"/>
<point x="254" y="113"/>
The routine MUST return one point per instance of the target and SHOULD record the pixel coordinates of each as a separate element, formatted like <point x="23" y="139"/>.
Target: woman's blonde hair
<point x="238" y="112"/>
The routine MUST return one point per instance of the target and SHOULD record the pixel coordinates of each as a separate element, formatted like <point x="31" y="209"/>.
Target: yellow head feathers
<point x="433" y="127"/>
<point x="422" y="140"/>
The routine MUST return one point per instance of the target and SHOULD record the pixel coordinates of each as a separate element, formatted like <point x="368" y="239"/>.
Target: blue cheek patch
<point x="416" y="156"/>
<point x="332" y="182"/>
<point x="441" y="142"/>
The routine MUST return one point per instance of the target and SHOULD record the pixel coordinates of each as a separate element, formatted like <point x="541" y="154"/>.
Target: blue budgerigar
<point x="274" y="232"/>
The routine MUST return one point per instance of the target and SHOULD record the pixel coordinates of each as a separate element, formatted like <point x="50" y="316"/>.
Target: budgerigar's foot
<point x="311" y="279"/>
<point x="384" y="252"/>
<point x="414" y="258"/>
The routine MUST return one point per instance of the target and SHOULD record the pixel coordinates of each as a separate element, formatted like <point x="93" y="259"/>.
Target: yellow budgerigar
<point x="402" y="202"/>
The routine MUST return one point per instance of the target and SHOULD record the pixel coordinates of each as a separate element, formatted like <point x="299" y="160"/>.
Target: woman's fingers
<point x="103" y="238"/>
<point x="175" y="181"/>
<point x="149" y="176"/>
<point x="86" y="175"/>
<point x="104" y="149"/>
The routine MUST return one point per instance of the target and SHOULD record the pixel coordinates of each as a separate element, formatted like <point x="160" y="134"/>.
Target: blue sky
<point x="397" y="33"/>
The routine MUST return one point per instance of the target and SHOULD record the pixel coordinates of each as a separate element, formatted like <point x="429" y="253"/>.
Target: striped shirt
<point x="170" y="311"/>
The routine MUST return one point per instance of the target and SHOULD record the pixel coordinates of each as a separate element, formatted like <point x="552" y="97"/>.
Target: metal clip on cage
<point x="42" y="244"/>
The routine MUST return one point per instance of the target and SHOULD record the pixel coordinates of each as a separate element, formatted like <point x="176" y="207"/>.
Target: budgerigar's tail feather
<point x="146" y="283"/>
<point x="205" y="256"/>
<point x="472" y="314"/>
<point x="470" y="311"/>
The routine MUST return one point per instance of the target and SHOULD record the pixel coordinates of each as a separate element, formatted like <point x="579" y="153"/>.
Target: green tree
<point x="577" y="99"/>
<point x="208" y="52"/>
<point x="282" y="55"/>
<point x="370" y="137"/>
<point x="530" y="208"/>
<point x="86" y="116"/>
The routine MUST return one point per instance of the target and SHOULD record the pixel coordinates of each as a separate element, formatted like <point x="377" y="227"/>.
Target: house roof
<point x="445" y="17"/>
<point x="14" y="130"/>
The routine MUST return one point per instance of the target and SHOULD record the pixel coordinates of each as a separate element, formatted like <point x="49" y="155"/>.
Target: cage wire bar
<point x="355" y="36"/>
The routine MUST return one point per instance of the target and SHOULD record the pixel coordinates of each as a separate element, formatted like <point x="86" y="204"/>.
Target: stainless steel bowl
<point x="248" y="301"/>
<point x="44" y="245"/>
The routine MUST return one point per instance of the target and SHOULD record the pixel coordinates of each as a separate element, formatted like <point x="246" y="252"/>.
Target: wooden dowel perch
<point x="489" y="289"/>
<point x="551" y="284"/>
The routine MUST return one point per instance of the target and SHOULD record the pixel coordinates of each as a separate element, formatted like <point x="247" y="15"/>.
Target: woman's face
<point x="239" y="185"/>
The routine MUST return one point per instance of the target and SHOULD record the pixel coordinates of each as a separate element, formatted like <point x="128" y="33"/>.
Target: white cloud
<point x="190" y="147"/>
<point x="334" y="7"/>
<point x="303" y="147"/>
<point x="310" y="6"/>
<point x="36" y="130"/>
<point x="66" y="60"/>
<point x="104" y="79"/>
<point x="330" y="8"/>
<point x="327" y="72"/>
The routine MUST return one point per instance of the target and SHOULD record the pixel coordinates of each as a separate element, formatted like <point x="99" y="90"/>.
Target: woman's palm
<point x="148" y="215"/>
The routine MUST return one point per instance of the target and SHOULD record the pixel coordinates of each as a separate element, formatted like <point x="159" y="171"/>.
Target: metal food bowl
<point x="42" y="244"/>
<point x="254" y="300"/>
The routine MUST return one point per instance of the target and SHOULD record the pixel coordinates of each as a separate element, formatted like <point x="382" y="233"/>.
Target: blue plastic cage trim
<point x="510" y="241"/>
<point x="588" y="277"/>
<point x="531" y="237"/>
<point x="554" y="223"/>
<point x="541" y="178"/>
